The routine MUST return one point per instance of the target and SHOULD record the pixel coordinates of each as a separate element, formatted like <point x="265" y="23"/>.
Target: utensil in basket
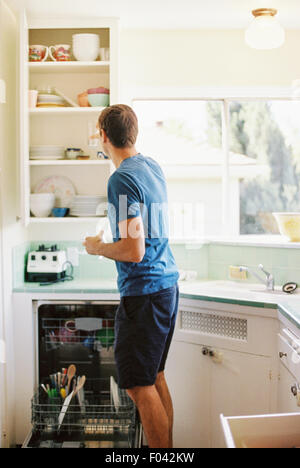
<point x="64" y="409"/>
<point x="80" y="384"/>
<point x="80" y="393"/>
<point x="71" y="373"/>
<point x="69" y="399"/>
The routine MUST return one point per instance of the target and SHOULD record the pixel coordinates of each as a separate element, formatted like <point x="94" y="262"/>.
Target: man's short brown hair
<point x="120" y="125"/>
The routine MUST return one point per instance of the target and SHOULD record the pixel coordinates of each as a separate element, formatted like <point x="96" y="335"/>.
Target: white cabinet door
<point x="24" y="122"/>
<point x="2" y="336"/>
<point x="244" y="383"/>
<point x="188" y="375"/>
<point x="240" y="385"/>
<point x="2" y="376"/>
<point x="287" y="402"/>
<point x="202" y="390"/>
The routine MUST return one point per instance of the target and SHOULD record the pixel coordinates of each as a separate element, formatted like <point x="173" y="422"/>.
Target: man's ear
<point x="103" y="135"/>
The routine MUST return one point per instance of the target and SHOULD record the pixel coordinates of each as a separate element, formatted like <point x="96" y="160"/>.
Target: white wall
<point x="12" y="232"/>
<point x="198" y="58"/>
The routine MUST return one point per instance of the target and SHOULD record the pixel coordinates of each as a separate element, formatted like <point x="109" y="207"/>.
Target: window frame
<point x="224" y="95"/>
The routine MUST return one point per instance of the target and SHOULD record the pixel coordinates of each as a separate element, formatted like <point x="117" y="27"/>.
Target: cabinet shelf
<point x="66" y="110"/>
<point x="65" y="162"/>
<point x="67" y="219"/>
<point x="69" y="67"/>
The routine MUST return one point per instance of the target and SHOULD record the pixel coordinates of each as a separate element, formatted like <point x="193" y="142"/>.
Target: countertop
<point x="223" y="291"/>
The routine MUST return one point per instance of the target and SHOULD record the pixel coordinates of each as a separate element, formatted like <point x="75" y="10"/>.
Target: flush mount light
<point x="265" y="32"/>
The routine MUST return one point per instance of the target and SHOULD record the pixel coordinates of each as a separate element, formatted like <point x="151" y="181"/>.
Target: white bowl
<point x="289" y="225"/>
<point x="85" y="55"/>
<point x="86" y="47"/>
<point x="41" y="204"/>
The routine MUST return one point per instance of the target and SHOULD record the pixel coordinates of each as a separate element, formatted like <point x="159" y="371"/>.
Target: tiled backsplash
<point x="89" y="265"/>
<point x="211" y="261"/>
<point x="283" y="263"/>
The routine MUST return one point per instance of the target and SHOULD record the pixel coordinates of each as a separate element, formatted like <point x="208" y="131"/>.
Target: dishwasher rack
<point x="97" y="420"/>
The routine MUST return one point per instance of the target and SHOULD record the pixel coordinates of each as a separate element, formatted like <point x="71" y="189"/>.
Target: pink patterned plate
<point x="62" y="188"/>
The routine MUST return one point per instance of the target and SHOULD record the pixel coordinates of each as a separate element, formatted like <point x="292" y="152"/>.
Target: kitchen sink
<point x="247" y="287"/>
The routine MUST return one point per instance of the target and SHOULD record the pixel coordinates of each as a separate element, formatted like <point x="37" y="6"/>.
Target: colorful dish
<point x="62" y="188"/>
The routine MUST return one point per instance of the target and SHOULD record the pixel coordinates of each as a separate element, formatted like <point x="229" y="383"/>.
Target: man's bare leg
<point x="153" y="415"/>
<point x="163" y="390"/>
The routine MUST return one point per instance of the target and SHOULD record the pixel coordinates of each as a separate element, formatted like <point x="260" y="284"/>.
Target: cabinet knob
<point x="294" y="390"/>
<point x="205" y="351"/>
<point x="281" y="355"/>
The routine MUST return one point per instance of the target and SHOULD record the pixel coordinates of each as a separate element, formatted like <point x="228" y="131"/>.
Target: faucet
<point x="268" y="281"/>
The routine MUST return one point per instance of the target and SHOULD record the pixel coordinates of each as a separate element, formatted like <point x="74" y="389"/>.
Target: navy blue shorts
<point x="144" y="328"/>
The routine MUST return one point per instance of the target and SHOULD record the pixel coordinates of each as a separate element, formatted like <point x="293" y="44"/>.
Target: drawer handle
<point x="281" y="355"/>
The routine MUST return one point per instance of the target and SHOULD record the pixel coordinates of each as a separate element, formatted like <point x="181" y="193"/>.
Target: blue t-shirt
<point x="138" y="188"/>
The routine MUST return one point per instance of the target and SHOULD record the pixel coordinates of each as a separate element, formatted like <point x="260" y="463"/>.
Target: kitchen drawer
<point x="289" y="356"/>
<point x="262" y="431"/>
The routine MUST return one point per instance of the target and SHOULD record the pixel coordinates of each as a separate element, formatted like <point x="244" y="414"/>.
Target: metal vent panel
<point x="213" y="324"/>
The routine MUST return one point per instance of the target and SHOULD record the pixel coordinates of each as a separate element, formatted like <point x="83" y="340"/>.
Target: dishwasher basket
<point x="97" y="418"/>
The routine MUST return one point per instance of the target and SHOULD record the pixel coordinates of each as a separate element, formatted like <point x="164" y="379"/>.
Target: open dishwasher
<point x="80" y="334"/>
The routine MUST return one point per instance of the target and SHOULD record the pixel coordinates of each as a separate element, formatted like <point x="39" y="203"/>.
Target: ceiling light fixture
<point x="265" y="32"/>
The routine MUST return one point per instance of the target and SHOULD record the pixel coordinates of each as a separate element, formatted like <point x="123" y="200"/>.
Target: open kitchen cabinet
<point x="68" y="127"/>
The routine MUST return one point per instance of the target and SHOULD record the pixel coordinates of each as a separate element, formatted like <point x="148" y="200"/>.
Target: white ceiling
<point x="168" y="14"/>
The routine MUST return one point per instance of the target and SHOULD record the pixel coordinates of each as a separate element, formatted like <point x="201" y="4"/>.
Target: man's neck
<point x="118" y="155"/>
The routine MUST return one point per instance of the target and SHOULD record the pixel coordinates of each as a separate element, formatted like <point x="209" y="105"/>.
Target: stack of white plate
<point x="47" y="152"/>
<point x="88" y="205"/>
<point x="50" y="100"/>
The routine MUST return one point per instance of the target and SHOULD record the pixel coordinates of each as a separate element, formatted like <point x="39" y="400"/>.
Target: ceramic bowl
<point x="60" y="212"/>
<point x="83" y="99"/>
<point x="72" y="153"/>
<point x="41" y="204"/>
<point x="86" y="46"/>
<point x="99" y="90"/>
<point x="289" y="225"/>
<point x="98" y="100"/>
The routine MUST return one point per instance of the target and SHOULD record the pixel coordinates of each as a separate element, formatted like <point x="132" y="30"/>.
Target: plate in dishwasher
<point x="262" y="431"/>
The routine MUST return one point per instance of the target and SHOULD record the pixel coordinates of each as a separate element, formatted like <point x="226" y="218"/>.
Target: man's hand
<point x="130" y="248"/>
<point x="93" y="244"/>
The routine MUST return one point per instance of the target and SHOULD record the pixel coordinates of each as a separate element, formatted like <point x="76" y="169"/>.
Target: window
<point x="229" y="163"/>
<point x="269" y="133"/>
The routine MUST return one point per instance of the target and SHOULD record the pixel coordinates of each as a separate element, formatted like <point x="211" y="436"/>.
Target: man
<point x="147" y="273"/>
